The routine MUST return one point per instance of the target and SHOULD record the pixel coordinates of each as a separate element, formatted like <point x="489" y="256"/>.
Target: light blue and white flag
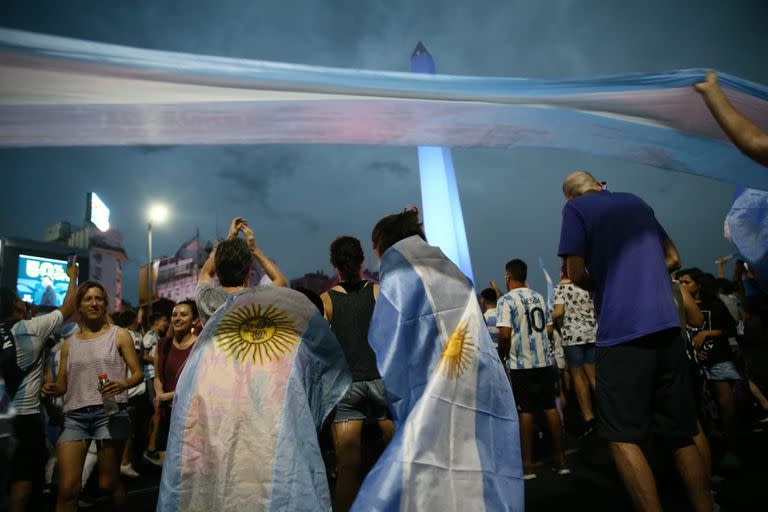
<point x="263" y="375"/>
<point x="456" y="444"/>
<point x="57" y="91"/>
<point x="550" y="286"/>
<point x="747" y="225"/>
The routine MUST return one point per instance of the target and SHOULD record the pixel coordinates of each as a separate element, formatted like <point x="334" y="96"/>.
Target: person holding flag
<point x="263" y="375"/>
<point x="456" y="442"/>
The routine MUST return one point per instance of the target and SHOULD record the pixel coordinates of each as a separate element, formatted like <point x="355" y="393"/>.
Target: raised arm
<point x="69" y="306"/>
<point x="208" y="270"/>
<point x="750" y="139"/>
<point x="270" y="267"/>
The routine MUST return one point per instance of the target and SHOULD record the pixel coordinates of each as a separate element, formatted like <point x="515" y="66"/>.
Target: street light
<point x="157" y="213"/>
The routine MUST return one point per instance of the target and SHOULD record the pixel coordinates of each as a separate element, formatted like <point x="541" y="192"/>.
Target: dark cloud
<point x="250" y="172"/>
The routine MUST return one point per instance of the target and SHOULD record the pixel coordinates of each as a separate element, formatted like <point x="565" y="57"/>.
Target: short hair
<point x="708" y="290"/>
<point x="489" y="294"/>
<point x="517" y="269"/>
<point x="83" y="289"/>
<point x="577" y="183"/>
<point x="694" y="273"/>
<point x="192" y="306"/>
<point x="233" y="262"/>
<point x="7" y="302"/>
<point x="347" y="257"/>
<point x="125" y="318"/>
<point x="393" y="228"/>
<point x="154" y="317"/>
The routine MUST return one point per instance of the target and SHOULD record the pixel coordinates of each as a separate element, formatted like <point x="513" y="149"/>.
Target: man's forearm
<point x="207" y="272"/>
<point x="70" y="300"/>
<point x="270" y="268"/>
<point x="745" y="134"/>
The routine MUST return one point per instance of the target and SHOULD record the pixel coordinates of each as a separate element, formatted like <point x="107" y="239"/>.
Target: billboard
<point x="42" y="281"/>
<point x="97" y="212"/>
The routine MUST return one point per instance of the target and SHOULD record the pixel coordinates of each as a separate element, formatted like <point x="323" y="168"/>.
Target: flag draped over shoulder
<point x="456" y="444"/>
<point x="57" y="91"/>
<point x="263" y="375"/>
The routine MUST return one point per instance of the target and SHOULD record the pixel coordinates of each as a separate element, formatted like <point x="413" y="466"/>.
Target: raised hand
<point x="234" y="228"/>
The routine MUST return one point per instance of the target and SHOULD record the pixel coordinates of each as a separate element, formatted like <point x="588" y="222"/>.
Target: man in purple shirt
<point x="615" y="247"/>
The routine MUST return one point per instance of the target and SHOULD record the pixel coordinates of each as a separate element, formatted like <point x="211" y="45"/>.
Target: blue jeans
<point x="579" y="355"/>
<point x="91" y="423"/>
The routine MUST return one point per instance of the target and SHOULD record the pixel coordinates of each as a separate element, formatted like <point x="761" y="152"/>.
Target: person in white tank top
<point x="98" y="348"/>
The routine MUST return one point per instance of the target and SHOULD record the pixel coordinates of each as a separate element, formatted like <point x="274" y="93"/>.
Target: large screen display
<point x="42" y="281"/>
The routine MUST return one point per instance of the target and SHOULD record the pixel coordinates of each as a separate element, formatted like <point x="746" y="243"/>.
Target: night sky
<point x="298" y="198"/>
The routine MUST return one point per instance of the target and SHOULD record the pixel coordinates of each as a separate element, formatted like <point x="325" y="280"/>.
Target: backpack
<point x="9" y="366"/>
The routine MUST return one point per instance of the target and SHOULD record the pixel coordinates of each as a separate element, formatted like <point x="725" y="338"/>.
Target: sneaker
<point x="562" y="470"/>
<point x="529" y="476"/>
<point x="128" y="471"/>
<point x="153" y="458"/>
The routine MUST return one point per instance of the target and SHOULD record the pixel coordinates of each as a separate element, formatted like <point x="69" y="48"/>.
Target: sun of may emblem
<point x="457" y="352"/>
<point x="250" y="334"/>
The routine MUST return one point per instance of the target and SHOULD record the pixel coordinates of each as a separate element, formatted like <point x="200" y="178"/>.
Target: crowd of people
<point x="678" y="377"/>
<point x="648" y="350"/>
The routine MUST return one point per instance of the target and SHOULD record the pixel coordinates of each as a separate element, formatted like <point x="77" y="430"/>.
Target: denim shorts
<point x="91" y="423"/>
<point x="364" y="400"/>
<point x="579" y="355"/>
<point x="722" y="371"/>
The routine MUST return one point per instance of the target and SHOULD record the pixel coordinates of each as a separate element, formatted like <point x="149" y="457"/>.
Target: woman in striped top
<point x="99" y="347"/>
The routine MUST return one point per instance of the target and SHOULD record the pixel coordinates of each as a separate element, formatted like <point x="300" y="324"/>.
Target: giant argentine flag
<point x="265" y="372"/>
<point x="57" y="91"/>
<point x="456" y="444"/>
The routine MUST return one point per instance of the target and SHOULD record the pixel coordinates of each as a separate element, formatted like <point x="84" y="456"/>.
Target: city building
<point x="177" y="278"/>
<point x="318" y="282"/>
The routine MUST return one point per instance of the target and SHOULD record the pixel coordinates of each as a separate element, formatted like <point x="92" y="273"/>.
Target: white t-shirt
<point x="138" y="342"/>
<point x="525" y="312"/>
<point x="30" y="336"/>
<point x="150" y="342"/>
<point x="579" y="324"/>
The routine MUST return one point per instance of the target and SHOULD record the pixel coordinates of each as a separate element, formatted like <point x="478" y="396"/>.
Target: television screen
<point x="42" y="281"/>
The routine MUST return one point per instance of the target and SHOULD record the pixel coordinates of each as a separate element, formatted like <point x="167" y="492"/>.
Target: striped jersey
<point x="30" y="336"/>
<point x="525" y="312"/>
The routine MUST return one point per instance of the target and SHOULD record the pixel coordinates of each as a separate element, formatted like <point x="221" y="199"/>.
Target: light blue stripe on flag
<point x="456" y="446"/>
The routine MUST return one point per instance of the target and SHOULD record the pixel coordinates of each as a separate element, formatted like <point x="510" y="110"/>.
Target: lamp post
<point x="157" y="213"/>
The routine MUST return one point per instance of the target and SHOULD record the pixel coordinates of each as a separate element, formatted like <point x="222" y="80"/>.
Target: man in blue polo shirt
<point x="615" y="247"/>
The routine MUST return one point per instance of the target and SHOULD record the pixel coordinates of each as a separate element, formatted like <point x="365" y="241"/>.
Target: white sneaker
<point x="128" y="471"/>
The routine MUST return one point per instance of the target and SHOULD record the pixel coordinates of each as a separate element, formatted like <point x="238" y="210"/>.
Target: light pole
<point x="157" y="213"/>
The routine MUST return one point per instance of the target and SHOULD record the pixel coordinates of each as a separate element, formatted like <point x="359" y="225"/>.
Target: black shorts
<point x="643" y="387"/>
<point x="534" y="389"/>
<point x="30" y="455"/>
